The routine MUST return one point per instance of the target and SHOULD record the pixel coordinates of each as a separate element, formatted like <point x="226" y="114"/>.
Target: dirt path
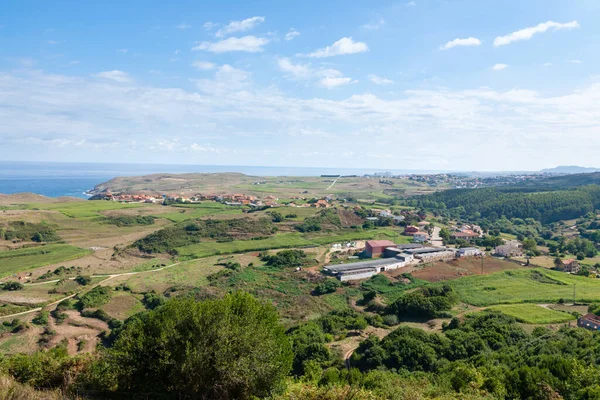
<point x="108" y="277"/>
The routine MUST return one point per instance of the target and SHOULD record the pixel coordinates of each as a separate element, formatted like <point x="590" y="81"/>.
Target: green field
<point x="190" y="211"/>
<point x="535" y="285"/>
<point x="281" y="241"/>
<point x="13" y="261"/>
<point x="533" y="313"/>
<point x="84" y="209"/>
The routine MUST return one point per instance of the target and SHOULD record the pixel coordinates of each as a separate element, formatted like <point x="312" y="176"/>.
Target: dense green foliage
<point x="130" y="220"/>
<point x="490" y="352"/>
<point x="328" y="218"/>
<point x="168" y="239"/>
<point x="12" y="286"/>
<point x="213" y="349"/>
<point x="285" y="258"/>
<point x="426" y="302"/>
<point x="327" y="286"/>
<point x="27" y="231"/>
<point x="97" y="297"/>
<point x="309" y="340"/>
<point x="492" y="203"/>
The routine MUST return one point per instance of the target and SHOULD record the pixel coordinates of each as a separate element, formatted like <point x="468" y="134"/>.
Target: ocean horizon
<point x="56" y="179"/>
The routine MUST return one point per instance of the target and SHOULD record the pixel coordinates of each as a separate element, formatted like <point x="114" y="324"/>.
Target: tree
<point x="444" y="233"/>
<point x="213" y="349"/>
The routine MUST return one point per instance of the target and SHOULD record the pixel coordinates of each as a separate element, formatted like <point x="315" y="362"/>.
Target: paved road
<point x="108" y="277"/>
<point x="436" y="239"/>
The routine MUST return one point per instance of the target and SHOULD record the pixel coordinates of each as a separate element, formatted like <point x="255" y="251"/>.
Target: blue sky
<point x="423" y="84"/>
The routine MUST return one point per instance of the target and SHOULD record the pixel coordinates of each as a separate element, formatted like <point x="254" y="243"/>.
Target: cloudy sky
<point x="423" y="84"/>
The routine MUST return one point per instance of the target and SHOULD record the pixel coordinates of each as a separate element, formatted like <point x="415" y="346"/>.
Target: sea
<point x="56" y="179"/>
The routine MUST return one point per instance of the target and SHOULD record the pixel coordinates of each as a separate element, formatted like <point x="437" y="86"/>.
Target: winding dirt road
<point x="108" y="277"/>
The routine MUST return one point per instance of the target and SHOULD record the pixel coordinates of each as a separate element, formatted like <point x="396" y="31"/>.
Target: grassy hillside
<point x="20" y="260"/>
<point x="525" y="286"/>
<point x="533" y="313"/>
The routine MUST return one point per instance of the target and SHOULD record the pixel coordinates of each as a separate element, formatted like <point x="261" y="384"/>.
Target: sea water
<point x="55" y="179"/>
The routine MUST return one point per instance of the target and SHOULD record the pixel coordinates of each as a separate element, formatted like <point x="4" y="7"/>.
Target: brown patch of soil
<point x="441" y="271"/>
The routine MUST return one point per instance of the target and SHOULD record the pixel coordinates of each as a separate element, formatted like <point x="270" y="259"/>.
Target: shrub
<point x="97" y="297"/>
<point x="327" y="286"/>
<point x="41" y="318"/>
<point x="83" y="280"/>
<point x="12" y="286"/>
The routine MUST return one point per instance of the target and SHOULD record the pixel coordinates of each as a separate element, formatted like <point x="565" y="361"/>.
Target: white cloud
<point x="330" y="82"/>
<point x="379" y="80"/>
<point x="343" y="46"/>
<point x="292" y="34"/>
<point x="374" y="25"/>
<point x="123" y="51"/>
<point x="575" y="61"/>
<point x="325" y="77"/>
<point x="240" y="26"/>
<point x="298" y="71"/>
<point x="515" y="129"/>
<point x="210" y="25"/>
<point x="548" y="64"/>
<point x="499" y="67"/>
<point x="203" y="65"/>
<point x="461" y="42"/>
<point x="183" y="26"/>
<point x="411" y="4"/>
<point x="249" y="44"/>
<point x="117" y="76"/>
<point x="527" y="33"/>
<point x="226" y="79"/>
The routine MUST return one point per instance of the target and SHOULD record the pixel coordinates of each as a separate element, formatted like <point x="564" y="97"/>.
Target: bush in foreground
<point x="214" y="349"/>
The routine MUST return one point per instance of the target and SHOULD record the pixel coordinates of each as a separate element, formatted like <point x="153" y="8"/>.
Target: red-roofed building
<point x="374" y="248"/>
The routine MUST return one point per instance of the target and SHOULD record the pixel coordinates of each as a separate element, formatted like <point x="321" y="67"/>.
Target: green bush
<point x="97" y="297"/>
<point x="228" y="348"/>
<point x="83" y="280"/>
<point x="327" y="286"/>
<point x="12" y="286"/>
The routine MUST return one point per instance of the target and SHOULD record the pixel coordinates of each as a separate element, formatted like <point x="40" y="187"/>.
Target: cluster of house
<point x="417" y="232"/>
<point x="395" y="256"/>
<point x="236" y="199"/>
<point x="134" y="198"/>
<point x="466" y="232"/>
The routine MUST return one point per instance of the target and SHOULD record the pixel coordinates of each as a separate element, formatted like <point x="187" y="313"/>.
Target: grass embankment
<point x="281" y="241"/>
<point x="20" y="260"/>
<point x="533" y="313"/>
<point x="534" y="285"/>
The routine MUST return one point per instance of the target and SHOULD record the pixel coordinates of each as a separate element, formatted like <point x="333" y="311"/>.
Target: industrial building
<point x="366" y="269"/>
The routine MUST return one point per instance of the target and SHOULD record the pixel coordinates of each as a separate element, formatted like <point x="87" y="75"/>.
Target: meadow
<point x="531" y="285"/>
<point x="533" y="313"/>
<point x="284" y="240"/>
<point x="84" y="209"/>
<point x="20" y="260"/>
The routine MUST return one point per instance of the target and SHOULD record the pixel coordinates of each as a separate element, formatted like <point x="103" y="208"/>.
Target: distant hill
<point x="24" y="198"/>
<point x="570" y="169"/>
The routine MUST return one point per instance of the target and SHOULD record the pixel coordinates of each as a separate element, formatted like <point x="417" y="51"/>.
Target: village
<point x="234" y="200"/>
